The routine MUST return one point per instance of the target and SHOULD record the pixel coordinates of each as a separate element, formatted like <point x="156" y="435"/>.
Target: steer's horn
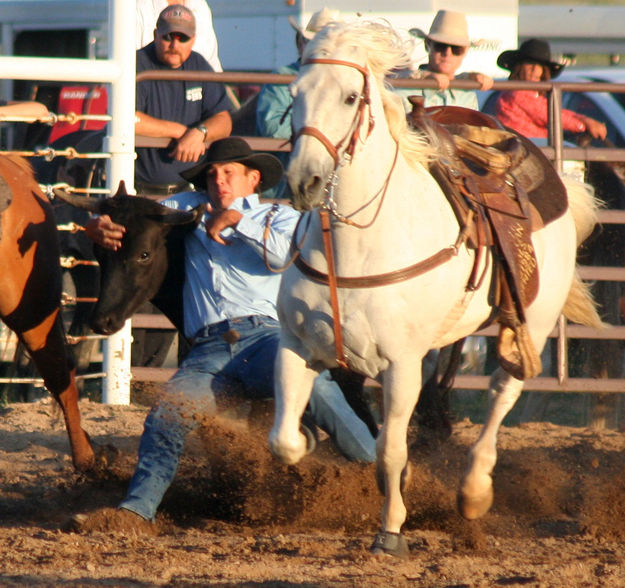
<point x="90" y="204"/>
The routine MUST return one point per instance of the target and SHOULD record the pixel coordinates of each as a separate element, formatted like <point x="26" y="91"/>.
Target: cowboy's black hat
<point x="235" y="149"/>
<point x="530" y="51"/>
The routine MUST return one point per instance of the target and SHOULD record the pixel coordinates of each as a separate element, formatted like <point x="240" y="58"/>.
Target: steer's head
<point x="133" y="274"/>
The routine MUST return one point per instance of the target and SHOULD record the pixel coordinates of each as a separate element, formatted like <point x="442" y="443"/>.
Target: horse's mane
<point x="386" y="52"/>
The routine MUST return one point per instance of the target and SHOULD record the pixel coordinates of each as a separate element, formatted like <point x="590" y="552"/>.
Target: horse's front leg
<point x="292" y="389"/>
<point x="402" y="383"/>
<point x="475" y="495"/>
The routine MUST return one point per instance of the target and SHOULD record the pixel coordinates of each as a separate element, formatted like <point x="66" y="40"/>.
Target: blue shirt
<point x="229" y="281"/>
<point x="186" y="102"/>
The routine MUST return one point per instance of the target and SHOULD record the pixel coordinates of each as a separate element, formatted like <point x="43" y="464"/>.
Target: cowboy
<point x="447" y="44"/>
<point x="229" y="304"/>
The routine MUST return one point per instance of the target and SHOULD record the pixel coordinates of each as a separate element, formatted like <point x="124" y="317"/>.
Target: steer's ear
<point x="84" y="202"/>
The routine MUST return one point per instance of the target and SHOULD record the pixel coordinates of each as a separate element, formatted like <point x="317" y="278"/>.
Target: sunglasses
<point x="442" y="48"/>
<point x="182" y="38"/>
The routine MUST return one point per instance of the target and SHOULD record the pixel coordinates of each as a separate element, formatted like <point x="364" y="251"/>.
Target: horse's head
<point x="133" y="274"/>
<point x="338" y="102"/>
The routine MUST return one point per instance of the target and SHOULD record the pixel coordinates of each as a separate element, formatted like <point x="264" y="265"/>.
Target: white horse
<point x="355" y="156"/>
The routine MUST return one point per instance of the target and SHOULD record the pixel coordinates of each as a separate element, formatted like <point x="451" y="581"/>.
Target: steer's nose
<point x="104" y="325"/>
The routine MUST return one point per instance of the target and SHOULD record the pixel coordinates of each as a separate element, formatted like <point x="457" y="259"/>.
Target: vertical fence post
<point x="120" y="142"/>
<point x="556" y="139"/>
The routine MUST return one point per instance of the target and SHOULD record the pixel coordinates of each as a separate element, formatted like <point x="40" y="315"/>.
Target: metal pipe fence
<point x="557" y="152"/>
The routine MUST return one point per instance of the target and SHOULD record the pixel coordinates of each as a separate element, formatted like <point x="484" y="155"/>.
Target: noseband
<point x="353" y="133"/>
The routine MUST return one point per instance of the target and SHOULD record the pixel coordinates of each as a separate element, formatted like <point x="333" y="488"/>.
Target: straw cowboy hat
<point x="530" y="51"/>
<point x="317" y="21"/>
<point x="235" y="149"/>
<point x="447" y="27"/>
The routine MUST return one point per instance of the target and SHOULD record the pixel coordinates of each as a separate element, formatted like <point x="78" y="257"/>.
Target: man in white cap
<point x="206" y="41"/>
<point x="274" y="100"/>
<point x="447" y="43"/>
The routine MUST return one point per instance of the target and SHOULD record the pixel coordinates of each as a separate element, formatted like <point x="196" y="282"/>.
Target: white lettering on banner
<point x="194" y="94"/>
<point x="79" y="94"/>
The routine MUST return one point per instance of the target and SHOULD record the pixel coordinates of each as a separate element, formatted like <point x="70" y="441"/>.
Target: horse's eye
<point x="144" y="256"/>
<point x="351" y="99"/>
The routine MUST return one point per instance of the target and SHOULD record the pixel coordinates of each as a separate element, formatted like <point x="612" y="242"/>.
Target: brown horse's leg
<point x="52" y="361"/>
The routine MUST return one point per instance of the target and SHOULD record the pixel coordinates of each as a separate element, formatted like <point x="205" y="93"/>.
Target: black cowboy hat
<point x="530" y="51"/>
<point x="235" y="149"/>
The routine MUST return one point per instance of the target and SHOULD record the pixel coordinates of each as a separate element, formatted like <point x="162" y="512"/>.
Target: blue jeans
<point x="235" y="359"/>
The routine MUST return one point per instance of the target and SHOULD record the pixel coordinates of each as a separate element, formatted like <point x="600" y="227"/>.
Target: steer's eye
<point x="351" y="99"/>
<point x="144" y="256"/>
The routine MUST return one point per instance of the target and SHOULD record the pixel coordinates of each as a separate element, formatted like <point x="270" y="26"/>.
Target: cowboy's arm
<point x="103" y="231"/>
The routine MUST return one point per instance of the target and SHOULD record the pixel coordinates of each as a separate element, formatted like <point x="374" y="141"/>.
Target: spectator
<point x="526" y="111"/>
<point x="230" y="313"/>
<point x="189" y="113"/>
<point x="206" y="41"/>
<point x="447" y="43"/>
<point x="273" y="118"/>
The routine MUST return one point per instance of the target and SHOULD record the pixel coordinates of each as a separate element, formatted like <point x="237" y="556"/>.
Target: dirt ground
<point x="234" y="516"/>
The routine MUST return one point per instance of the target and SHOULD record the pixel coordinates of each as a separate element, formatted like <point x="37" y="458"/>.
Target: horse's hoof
<point x="474" y="507"/>
<point x="386" y="543"/>
<point x="404" y="481"/>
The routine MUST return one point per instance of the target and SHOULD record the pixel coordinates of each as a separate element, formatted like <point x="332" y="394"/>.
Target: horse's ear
<point x="84" y="202"/>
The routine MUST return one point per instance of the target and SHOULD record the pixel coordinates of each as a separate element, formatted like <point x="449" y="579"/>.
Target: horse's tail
<point x="584" y="206"/>
<point x="580" y="306"/>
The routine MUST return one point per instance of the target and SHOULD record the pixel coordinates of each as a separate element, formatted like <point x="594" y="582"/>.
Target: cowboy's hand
<point x="103" y="231"/>
<point x="190" y="147"/>
<point x="597" y="129"/>
<point x="220" y="220"/>
<point x="485" y="82"/>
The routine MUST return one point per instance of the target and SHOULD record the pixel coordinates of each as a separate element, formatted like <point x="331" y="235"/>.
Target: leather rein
<point x="330" y="279"/>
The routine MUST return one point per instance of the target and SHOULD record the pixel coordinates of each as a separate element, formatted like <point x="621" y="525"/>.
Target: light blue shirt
<point x="434" y="97"/>
<point x="230" y="281"/>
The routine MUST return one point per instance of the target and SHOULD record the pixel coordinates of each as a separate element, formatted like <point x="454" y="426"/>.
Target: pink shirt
<point x="526" y="112"/>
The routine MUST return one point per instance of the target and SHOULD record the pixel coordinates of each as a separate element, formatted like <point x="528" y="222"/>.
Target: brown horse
<point x="30" y="292"/>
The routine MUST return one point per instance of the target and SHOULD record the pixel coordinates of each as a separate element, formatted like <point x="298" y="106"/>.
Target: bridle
<point x="349" y="142"/>
<point x="352" y="135"/>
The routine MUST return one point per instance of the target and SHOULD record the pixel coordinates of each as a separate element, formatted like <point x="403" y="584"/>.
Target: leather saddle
<point x="501" y="190"/>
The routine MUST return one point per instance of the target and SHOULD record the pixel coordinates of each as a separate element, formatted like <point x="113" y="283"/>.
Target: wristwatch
<point x="202" y="128"/>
